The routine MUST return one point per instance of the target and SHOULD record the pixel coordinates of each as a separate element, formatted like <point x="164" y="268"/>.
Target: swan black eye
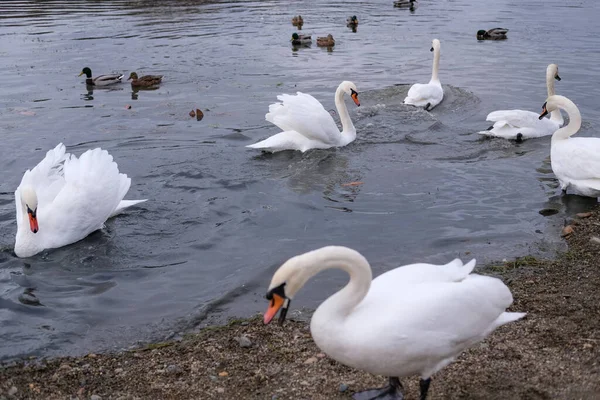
<point x="279" y="290"/>
<point x="352" y="91"/>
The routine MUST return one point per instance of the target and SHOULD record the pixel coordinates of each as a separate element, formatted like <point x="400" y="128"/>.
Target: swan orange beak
<point x="276" y="303"/>
<point x="544" y="111"/>
<point x="33" y="223"/>
<point x="355" y="98"/>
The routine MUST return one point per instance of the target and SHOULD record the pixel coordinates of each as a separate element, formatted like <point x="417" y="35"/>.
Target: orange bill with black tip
<point x="275" y="304"/>
<point x="33" y="223"/>
<point x="544" y="111"/>
<point x="354" y="96"/>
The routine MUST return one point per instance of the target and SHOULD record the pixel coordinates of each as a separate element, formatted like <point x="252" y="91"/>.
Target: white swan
<point x="411" y="320"/>
<point x="575" y="161"/>
<point x="64" y="199"/>
<point x="519" y="124"/>
<point x="428" y="95"/>
<point x="307" y="125"/>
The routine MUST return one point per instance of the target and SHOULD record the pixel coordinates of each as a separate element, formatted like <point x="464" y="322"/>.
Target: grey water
<point x="220" y="218"/>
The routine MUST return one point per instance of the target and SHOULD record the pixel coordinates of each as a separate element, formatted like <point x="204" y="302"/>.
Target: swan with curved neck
<point x="520" y="125"/>
<point x="411" y="320"/>
<point x="65" y="198"/>
<point x="430" y="94"/>
<point x="575" y="161"/>
<point x="307" y="125"/>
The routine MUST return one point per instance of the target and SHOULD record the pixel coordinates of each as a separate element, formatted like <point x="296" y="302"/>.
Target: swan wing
<point x="517" y="118"/>
<point x="304" y="114"/>
<point x="92" y="192"/>
<point x="576" y="158"/>
<point x="420" y="328"/>
<point x="509" y="123"/>
<point x="420" y="94"/>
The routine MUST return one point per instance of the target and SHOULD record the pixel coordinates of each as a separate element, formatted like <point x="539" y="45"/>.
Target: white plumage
<point x="519" y="124"/>
<point x="428" y="95"/>
<point x="306" y="124"/>
<point x="411" y="320"/>
<point x="575" y="161"/>
<point x="69" y="198"/>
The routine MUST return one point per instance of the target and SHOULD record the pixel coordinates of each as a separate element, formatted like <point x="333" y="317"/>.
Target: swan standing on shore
<point x="307" y="125"/>
<point x="65" y="198"/>
<point x="428" y="95"/>
<point x="519" y="124"/>
<point x="411" y="320"/>
<point x="575" y="161"/>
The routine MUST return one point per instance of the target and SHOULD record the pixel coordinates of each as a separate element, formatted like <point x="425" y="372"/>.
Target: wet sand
<point x="554" y="353"/>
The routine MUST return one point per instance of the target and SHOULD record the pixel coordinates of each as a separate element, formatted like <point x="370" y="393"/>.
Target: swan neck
<point x="340" y="304"/>
<point x="348" y="130"/>
<point x="436" y="65"/>
<point x="554" y="115"/>
<point x="574" y="120"/>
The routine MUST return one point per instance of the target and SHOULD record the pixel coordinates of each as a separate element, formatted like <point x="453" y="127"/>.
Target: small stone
<point x="173" y="369"/>
<point x="64" y="367"/>
<point x="245" y="323"/>
<point x="196" y="366"/>
<point x="244" y="341"/>
<point x="192" y="113"/>
<point x="567" y="230"/>
<point x="321" y="355"/>
<point x="220" y="390"/>
<point x="128" y="107"/>
<point x="95" y="397"/>
<point x="595" y="239"/>
<point x="343" y="387"/>
<point x="546" y="212"/>
<point x="311" y="360"/>
<point x="585" y="346"/>
<point x="12" y="391"/>
<point x="223" y="373"/>
<point x="584" y="215"/>
<point x="213" y="378"/>
<point x="118" y="370"/>
<point x="304" y="383"/>
<point x="92" y="355"/>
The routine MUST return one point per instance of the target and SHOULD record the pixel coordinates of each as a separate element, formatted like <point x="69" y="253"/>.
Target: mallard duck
<point x="101" y="80"/>
<point x="492" y="34"/>
<point x="146" y="80"/>
<point x="300" y="39"/>
<point x="297" y="20"/>
<point x="405" y="3"/>
<point x="326" y="41"/>
<point x="352" y="21"/>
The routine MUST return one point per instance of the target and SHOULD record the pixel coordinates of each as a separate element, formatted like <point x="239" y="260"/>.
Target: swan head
<point x="29" y="202"/>
<point x="350" y="89"/>
<point x="552" y="71"/>
<point x="286" y="282"/>
<point x="435" y="45"/>
<point x="551" y="104"/>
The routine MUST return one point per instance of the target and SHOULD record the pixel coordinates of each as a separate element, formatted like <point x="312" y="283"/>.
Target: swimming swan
<point x="411" y="320"/>
<point x="575" y="161"/>
<point x="519" y="124"/>
<point x="428" y="95"/>
<point x="65" y="198"/>
<point x="307" y="125"/>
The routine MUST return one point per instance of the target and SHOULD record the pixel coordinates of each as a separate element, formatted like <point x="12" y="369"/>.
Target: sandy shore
<point x="554" y="353"/>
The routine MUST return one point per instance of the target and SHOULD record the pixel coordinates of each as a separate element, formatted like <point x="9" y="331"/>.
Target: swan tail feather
<point x="288" y="140"/>
<point x="507" y="317"/>
<point x="123" y="204"/>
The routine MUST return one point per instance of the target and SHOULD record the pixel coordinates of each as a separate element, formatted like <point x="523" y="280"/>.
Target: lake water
<point x="220" y="218"/>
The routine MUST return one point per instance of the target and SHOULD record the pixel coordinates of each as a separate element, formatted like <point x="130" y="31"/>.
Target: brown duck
<point x="144" y="81"/>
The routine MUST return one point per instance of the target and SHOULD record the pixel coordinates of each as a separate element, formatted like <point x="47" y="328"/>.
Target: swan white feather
<point x="71" y="197"/>
<point x="430" y="94"/>
<point x="411" y="320"/>
<point x="508" y="124"/>
<point x="306" y="124"/>
<point x="575" y="161"/>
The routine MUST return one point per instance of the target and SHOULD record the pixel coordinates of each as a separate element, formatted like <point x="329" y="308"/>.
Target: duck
<point x="352" y="21"/>
<point x="297" y="20"/>
<point x="307" y="125"/>
<point x="492" y="34"/>
<point x="64" y="198"/>
<point x="101" y="80"/>
<point x="575" y="161"/>
<point x="326" y="41"/>
<point x="144" y="81"/>
<point x="300" y="39"/>
<point x="411" y="320"/>
<point x="428" y="95"/>
<point x="519" y="125"/>
<point x="405" y="3"/>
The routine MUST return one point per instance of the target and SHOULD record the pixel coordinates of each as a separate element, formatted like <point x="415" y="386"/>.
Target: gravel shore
<point x="554" y="353"/>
